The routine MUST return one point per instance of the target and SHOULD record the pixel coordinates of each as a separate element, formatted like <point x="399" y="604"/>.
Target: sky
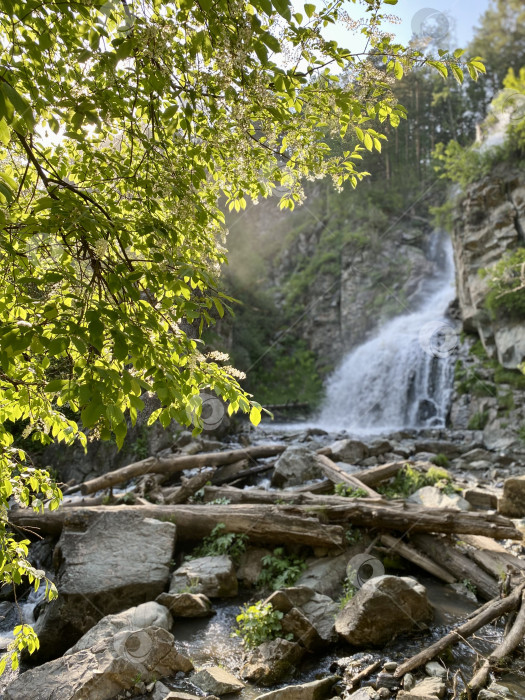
<point x="451" y="20"/>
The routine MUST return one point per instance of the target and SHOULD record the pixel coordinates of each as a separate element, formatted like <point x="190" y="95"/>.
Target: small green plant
<point x="258" y="623"/>
<point x="220" y="542"/>
<point x="479" y="420"/>
<point x="409" y="480"/>
<point x="521" y="433"/>
<point x="280" y="570"/>
<point x="349" y="491"/>
<point x="192" y="586"/>
<point x="353" y="536"/>
<point x="440" y="460"/>
<point x="469" y="585"/>
<point x="349" y="591"/>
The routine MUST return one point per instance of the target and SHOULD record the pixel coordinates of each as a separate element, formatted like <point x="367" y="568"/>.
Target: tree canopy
<point x="126" y="128"/>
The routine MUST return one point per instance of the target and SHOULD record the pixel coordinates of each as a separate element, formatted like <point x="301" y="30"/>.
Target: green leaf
<point x="20" y="104"/>
<point x="5" y="134"/>
<point x="309" y="9"/>
<point x="91" y="413"/>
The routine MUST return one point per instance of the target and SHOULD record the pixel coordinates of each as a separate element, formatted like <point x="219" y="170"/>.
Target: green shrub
<point x="258" y="623"/>
<point x="440" y="460"/>
<point x="409" y="480"/>
<point x="349" y="591"/>
<point x="219" y="542"/>
<point x="349" y="491"/>
<point x="280" y="570"/>
<point x="479" y="420"/>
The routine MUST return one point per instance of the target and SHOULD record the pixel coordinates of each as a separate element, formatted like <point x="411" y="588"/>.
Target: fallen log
<point x="396" y="515"/>
<point x="171" y="465"/>
<point x="361" y="512"/>
<point x="375" y="475"/>
<point x="229" y="472"/>
<point x="458" y="564"/>
<point x="413" y="555"/>
<point x="188" y="487"/>
<point x="263" y="524"/>
<point x="487" y="614"/>
<point x="338" y="476"/>
<point x="492" y="556"/>
<point x="324" y="486"/>
<point x="511" y="641"/>
<point x="295" y="497"/>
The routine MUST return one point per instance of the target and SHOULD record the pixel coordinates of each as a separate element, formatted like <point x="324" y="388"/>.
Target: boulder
<point x="366" y="693"/>
<point x="432" y="497"/>
<point x="295" y="466"/>
<point x="105" y="670"/>
<point x="382" y="608"/>
<point x="272" y="662"/>
<point x="351" y="451"/>
<point x="213" y="576"/>
<point x="138" y="618"/>
<point x="217" y="681"/>
<point x="308" y="616"/>
<point x="120" y="560"/>
<point x="325" y="576"/>
<point x="251" y="565"/>
<point x="433" y="668"/>
<point x="316" y="690"/>
<point x="186" y="604"/>
<point x="512" y="504"/>
<point x="427" y="689"/>
<point x="510" y="344"/>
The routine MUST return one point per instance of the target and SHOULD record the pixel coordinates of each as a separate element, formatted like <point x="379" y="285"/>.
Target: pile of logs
<point x="451" y="545"/>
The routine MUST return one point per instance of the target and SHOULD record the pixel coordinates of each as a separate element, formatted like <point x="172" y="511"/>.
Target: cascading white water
<point x="403" y="376"/>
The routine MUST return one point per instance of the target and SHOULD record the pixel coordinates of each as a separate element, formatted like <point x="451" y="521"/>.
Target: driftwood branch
<point x="486" y="614"/>
<point x="338" y="476"/>
<point x="172" y="465"/>
<point x="511" y="641"/>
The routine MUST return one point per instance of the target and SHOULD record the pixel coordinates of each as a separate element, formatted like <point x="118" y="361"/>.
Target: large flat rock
<point x="103" y="671"/>
<point x="119" y="561"/>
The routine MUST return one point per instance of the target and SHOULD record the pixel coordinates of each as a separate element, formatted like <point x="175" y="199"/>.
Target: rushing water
<point x="402" y="377"/>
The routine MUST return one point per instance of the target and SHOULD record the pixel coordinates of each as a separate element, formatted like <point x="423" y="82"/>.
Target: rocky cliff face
<point x="489" y="224"/>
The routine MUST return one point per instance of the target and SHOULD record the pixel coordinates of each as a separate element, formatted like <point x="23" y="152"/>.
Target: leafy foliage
<point x="220" y="542"/>
<point x="349" y="591"/>
<point x="408" y="480"/>
<point x="280" y="570"/>
<point x="122" y="125"/>
<point x="349" y="491"/>
<point x="258" y="623"/>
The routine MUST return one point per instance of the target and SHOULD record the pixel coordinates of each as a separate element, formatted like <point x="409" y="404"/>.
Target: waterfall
<point x="403" y="376"/>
